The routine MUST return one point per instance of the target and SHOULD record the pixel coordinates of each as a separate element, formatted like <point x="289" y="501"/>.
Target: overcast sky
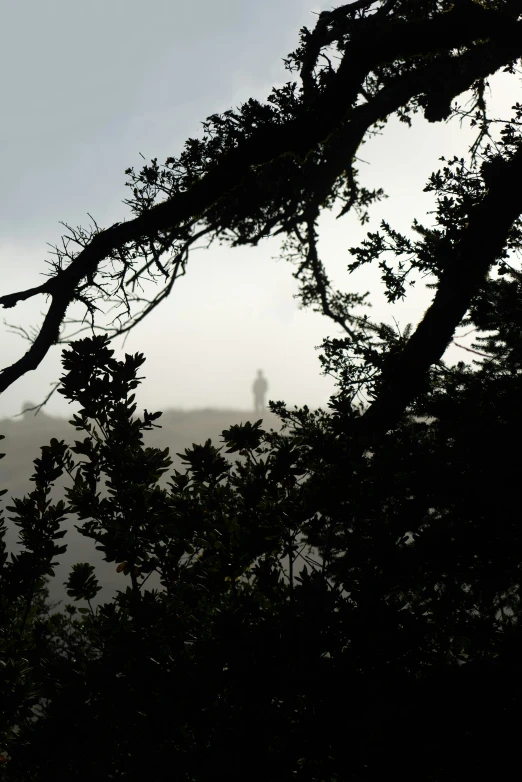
<point x="86" y="88"/>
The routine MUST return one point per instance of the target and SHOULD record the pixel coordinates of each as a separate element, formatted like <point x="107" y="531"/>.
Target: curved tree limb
<point x="480" y="244"/>
<point x="334" y="119"/>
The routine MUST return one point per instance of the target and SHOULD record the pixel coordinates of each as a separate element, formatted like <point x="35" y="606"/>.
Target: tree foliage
<point x="329" y="615"/>
<point x="341" y="601"/>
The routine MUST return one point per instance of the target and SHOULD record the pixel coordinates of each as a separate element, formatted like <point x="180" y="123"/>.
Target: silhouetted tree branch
<point x="260" y="170"/>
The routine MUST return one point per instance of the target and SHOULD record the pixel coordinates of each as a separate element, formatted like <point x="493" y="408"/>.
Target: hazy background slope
<point x="25" y="435"/>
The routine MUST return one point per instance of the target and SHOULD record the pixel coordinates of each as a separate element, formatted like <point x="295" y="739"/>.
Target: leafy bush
<point x="315" y="608"/>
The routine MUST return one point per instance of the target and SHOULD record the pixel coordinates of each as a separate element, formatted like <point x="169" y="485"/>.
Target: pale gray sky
<point x="86" y="87"/>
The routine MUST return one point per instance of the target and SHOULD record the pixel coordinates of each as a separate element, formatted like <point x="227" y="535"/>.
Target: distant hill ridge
<point x="24" y="436"/>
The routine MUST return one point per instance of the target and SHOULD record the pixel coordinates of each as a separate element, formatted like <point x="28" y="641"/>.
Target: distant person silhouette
<point x="259" y="388"/>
